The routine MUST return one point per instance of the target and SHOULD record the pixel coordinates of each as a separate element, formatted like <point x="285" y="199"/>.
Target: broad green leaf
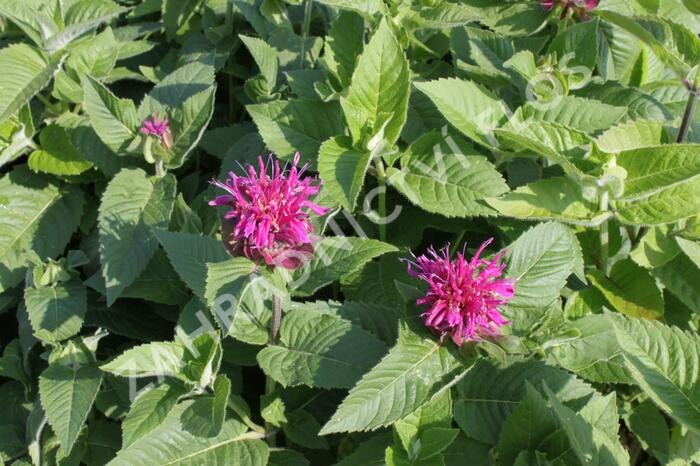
<point x="56" y="312"/>
<point x="343" y="169"/>
<point x="399" y="384"/>
<point x="132" y="206"/>
<point x="467" y="106"/>
<point x="57" y="155"/>
<point x="376" y="282"/>
<point x="662" y="185"/>
<point x="115" y="120"/>
<point x="205" y="417"/>
<point x="589" y="348"/>
<point x="176" y="13"/>
<point x="190" y="254"/>
<point x="630" y="289"/>
<point x="489" y="393"/>
<point x="367" y="8"/>
<point x="586" y="115"/>
<point x="592" y="446"/>
<point x="447" y="176"/>
<point x="174" y="90"/>
<point x="266" y="59"/>
<point x="680" y="276"/>
<point x="515" y="18"/>
<point x="540" y="261"/>
<point x="631" y="135"/>
<point x="26" y="71"/>
<point x="151" y="359"/>
<point x="189" y="125"/>
<point x="297" y="125"/>
<point x="320" y="350"/>
<point x="171" y="445"/>
<point x="577" y="46"/>
<point x="656" y="248"/>
<point x="81" y="17"/>
<point x="302" y="429"/>
<point x="439" y="16"/>
<point x="377" y="100"/>
<point x="651" y="428"/>
<point x="344" y="44"/>
<point x="335" y="257"/>
<point x="150" y="409"/>
<point x="559" y="198"/>
<point x="67" y="394"/>
<point x="368" y="453"/>
<point x="663" y="361"/>
<point x="38" y="218"/>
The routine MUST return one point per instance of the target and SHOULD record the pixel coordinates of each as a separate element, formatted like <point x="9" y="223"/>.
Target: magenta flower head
<point x="463" y="297"/>
<point x="579" y="7"/>
<point x="269" y="217"/>
<point x="158" y="128"/>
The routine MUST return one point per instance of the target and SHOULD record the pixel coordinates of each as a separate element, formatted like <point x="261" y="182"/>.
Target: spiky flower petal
<point x="269" y="217"/>
<point x="158" y="128"/>
<point x="464" y="296"/>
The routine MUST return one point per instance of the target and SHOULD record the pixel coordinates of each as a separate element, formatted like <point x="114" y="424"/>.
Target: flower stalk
<point x="603" y="204"/>
<point x="689" y="112"/>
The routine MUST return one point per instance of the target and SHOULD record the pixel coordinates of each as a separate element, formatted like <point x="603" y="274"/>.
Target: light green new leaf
<point x="151" y="359"/>
<point x="115" y="120"/>
<point x="67" y="394"/>
<point x="399" y="384"/>
<point x="57" y="155"/>
<point x="150" y="409"/>
<point x="447" y="176"/>
<point x="320" y="350"/>
<point x="132" y="206"/>
<point x="585" y="115"/>
<point x="630" y="289"/>
<point x="343" y="169"/>
<point x="189" y="255"/>
<point x="26" y="71"/>
<point x="559" y="198"/>
<point x="56" y="312"/>
<point x="335" y="257"/>
<point x="377" y="99"/>
<point x="662" y="185"/>
<point x="171" y="445"/>
<point x="297" y="125"/>
<point x="631" y="135"/>
<point x="467" y="106"/>
<point x="664" y="362"/>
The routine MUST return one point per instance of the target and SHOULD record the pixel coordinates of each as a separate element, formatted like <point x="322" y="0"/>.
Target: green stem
<point x="305" y="28"/>
<point x="269" y="381"/>
<point x="160" y="168"/>
<point x="688" y="115"/>
<point x="455" y="244"/>
<point x="604" y="234"/>
<point x="48" y="104"/>
<point x="381" y="179"/>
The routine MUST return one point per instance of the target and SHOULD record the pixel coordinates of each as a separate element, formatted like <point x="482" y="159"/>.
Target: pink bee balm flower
<point x="464" y="296"/>
<point x="159" y="129"/>
<point x="268" y="219"/>
<point x="581" y="7"/>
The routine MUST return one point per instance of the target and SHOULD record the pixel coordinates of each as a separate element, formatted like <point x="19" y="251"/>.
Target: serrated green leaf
<point x="344" y="44"/>
<point x="398" y="385"/>
<point x="297" y="125"/>
<point x="662" y="185"/>
<point x="151" y="359"/>
<point x="580" y="43"/>
<point x="586" y="115"/>
<point x="467" y="106"/>
<point x="664" y="362"/>
<point x="81" y="17"/>
<point x="680" y="276"/>
<point x="631" y="135"/>
<point x="266" y="59"/>
<point x="189" y="125"/>
<point x="335" y="257"/>
<point x="176" y="13"/>
<point x="115" y="120"/>
<point x="67" y="394"/>
<point x="205" y="417"/>
<point x="175" y="89"/>
<point x="320" y="350"/>
<point x="57" y="156"/>
<point x="343" y="169"/>
<point x="377" y="99"/>
<point x="56" y="312"/>
<point x="132" y="206"/>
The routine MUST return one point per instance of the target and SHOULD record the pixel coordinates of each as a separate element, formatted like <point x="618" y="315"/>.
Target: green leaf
<point x="26" y="71"/>
<point x="67" y="394"/>
<point x="586" y="115"/>
<point x="115" y="120"/>
<point x="343" y="169"/>
<point x="467" y="106"/>
<point x="656" y="248"/>
<point x="630" y="289"/>
<point x="171" y="445"/>
<point x="680" y="276"/>
<point x="577" y="46"/>
<point x="150" y="410"/>
<point x="662" y="185"/>
<point x="589" y="348"/>
<point x="335" y="257"/>
<point x="205" y="417"/>
<point x="489" y="393"/>
<point x="559" y="198"/>
<point x="399" y="384"/>
<point x="132" y="206"/>
<point x="176" y="13"/>
<point x="266" y="59"/>
<point x="57" y="156"/>
<point x="56" y="312"/>
<point x="442" y="15"/>
<point x="651" y="428"/>
<point x="344" y="44"/>
<point x="80" y="17"/>
<point x="189" y="125"/>
<point x="377" y="100"/>
<point x="592" y="446"/>
<point x="320" y="350"/>
<point x="447" y="176"/>
<point x="297" y="125"/>
<point x="663" y="361"/>
<point x="174" y="90"/>
<point x="189" y="255"/>
<point x="540" y="261"/>
<point x="302" y="429"/>
<point x="151" y="359"/>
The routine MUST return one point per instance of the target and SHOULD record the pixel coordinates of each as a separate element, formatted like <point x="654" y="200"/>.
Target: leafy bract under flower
<point x="268" y="217"/>
<point x="464" y="296"/>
